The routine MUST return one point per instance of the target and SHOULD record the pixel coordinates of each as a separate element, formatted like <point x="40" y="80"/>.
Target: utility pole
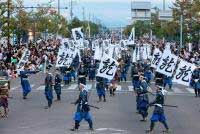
<point x="83" y="13"/>
<point x="181" y="31"/>
<point x="163" y="5"/>
<point x="71" y="9"/>
<point x="59" y="7"/>
<point x="8" y="22"/>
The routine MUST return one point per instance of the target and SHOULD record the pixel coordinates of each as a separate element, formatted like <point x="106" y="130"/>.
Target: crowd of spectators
<point x="10" y="55"/>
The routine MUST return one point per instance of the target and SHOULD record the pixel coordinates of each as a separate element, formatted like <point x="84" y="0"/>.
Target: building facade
<point x="140" y="10"/>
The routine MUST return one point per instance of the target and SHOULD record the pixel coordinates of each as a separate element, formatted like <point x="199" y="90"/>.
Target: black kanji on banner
<point x="167" y="64"/>
<point x="107" y="66"/>
<point x="183" y="73"/>
<point x="156" y="58"/>
<point x="63" y="58"/>
<point x="78" y="35"/>
<point x="66" y="45"/>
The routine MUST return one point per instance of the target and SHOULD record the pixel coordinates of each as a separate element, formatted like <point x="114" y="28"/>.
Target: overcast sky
<point x="112" y="13"/>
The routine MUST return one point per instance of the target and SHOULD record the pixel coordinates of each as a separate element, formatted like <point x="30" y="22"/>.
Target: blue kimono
<point x="92" y="72"/>
<point x="143" y="100"/>
<point x="168" y="80"/>
<point x="148" y="75"/>
<point x="25" y="82"/>
<point x="195" y="82"/>
<point x="100" y="87"/>
<point x="83" y="109"/>
<point x="57" y="87"/>
<point x="82" y="74"/>
<point x="49" y="89"/>
<point x="158" y="113"/>
<point x="123" y="74"/>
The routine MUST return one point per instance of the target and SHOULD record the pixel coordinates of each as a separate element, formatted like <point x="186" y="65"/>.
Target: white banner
<point x="66" y="54"/>
<point x="131" y="39"/>
<point x="78" y="37"/>
<point x="24" y="59"/>
<point x="167" y="63"/>
<point x="107" y="68"/>
<point x="98" y="53"/>
<point x="157" y="54"/>
<point x="123" y="44"/>
<point x="134" y="60"/>
<point x="146" y="51"/>
<point x="184" y="73"/>
<point x="109" y="51"/>
<point x="138" y="53"/>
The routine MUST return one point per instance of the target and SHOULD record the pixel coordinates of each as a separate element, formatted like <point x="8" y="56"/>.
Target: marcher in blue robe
<point x="83" y="109"/>
<point x="57" y="86"/>
<point x="158" y="113"/>
<point x="143" y="100"/>
<point x="48" y="89"/>
<point x="82" y="74"/>
<point x="168" y="80"/>
<point x="25" y="82"/>
<point x="92" y="71"/>
<point x="195" y="82"/>
<point x="148" y="75"/>
<point x="100" y="86"/>
<point x="123" y="74"/>
<point x="73" y="73"/>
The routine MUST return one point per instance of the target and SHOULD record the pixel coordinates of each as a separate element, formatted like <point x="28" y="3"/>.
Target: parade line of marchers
<point x="108" y="62"/>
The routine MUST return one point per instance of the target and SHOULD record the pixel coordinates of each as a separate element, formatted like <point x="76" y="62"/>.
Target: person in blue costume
<point x="148" y="75"/>
<point x="195" y="81"/>
<point x="57" y="86"/>
<point x="25" y="82"/>
<point x="168" y="81"/>
<point x="82" y="74"/>
<point x="92" y="71"/>
<point x="143" y="100"/>
<point x="158" y="113"/>
<point x="83" y="109"/>
<point x="73" y="73"/>
<point x="49" y="89"/>
<point x="100" y="86"/>
<point x="135" y="78"/>
<point x="123" y="74"/>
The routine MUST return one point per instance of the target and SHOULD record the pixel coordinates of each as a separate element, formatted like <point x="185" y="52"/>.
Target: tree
<point x="141" y="28"/>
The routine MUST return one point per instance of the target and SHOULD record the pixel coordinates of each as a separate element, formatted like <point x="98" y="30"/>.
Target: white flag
<point x="66" y="54"/>
<point x="109" y="51"/>
<point x="97" y="53"/>
<point x="132" y="36"/>
<point x="184" y="73"/>
<point x="24" y="59"/>
<point x="167" y="63"/>
<point x="78" y="36"/>
<point x="107" y="68"/>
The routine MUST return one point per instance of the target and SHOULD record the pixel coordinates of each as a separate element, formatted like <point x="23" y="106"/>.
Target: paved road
<point x="116" y="116"/>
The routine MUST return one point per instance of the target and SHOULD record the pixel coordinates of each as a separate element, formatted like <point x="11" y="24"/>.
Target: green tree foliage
<point x="141" y="28"/>
<point x="39" y="21"/>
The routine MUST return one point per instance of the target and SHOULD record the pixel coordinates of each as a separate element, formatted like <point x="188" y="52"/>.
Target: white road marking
<point x="89" y="86"/>
<point x="190" y="90"/>
<point x="32" y="85"/>
<point x="119" y="88"/>
<point x="130" y="88"/>
<point x="41" y="88"/>
<point x="73" y="87"/>
<point x="15" y="88"/>
<point x="110" y="129"/>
